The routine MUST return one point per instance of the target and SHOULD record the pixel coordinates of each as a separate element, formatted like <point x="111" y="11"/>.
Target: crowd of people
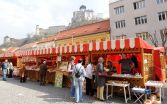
<point x="96" y="73"/>
<point x="7" y="70"/>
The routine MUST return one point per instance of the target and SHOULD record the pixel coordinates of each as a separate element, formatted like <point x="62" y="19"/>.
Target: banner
<point x="59" y="79"/>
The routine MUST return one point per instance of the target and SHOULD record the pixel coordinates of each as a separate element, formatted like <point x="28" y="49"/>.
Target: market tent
<point x="27" y="49"/>
<point x="48" y="47"/>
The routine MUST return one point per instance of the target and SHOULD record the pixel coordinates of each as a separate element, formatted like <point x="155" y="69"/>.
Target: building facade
<point x="137" y="18"/>
<point x="98" y="31"/>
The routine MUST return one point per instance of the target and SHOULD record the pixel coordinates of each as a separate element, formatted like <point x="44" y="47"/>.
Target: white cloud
<point x="19" y="17"/>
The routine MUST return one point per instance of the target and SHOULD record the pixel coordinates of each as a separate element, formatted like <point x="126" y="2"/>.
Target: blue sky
<point x="19" y="17"/>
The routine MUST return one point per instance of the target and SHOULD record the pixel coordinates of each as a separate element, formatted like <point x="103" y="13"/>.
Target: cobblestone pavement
<point x="13" y="92"/>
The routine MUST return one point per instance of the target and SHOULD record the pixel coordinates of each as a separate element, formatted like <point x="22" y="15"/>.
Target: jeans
<point x="78" y="90"/>
<point x="4" y="74"/>
<point x="72" y="90"/>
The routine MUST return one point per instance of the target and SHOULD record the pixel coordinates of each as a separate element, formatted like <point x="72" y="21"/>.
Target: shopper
<point x="100" y="79"/>
<point x="79" y="74"/>
<point x="89" y="75"/>
<point x="43" y="70"/>
<point x="70" y="68"/>
<point x="4" y="69"/>
<point x="11" y="68"/>
<point x="22" y="73"/>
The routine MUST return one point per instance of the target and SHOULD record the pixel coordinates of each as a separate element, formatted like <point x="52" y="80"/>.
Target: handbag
<point x="102" y="74"/>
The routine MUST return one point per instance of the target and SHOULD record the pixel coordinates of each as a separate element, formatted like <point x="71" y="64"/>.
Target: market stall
<point x="112" y="51"/>
<point x="10" y="55"/>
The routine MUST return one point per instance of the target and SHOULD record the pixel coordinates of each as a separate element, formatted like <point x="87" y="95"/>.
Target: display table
<point x="126" y="76"/>
<point x="118" y="85"/>
<point x="156" y="84"/>
<point x="132" y="79"/>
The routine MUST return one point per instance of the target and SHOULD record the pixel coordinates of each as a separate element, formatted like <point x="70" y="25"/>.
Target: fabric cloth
<point x="89" y="71"/>
<point x="125" y="65"/>
<point x="42" y="78"/>
<point x="43" y="69"/>
<point x="71" y="66"/>
<point x="78" y="82"/>
<point x="100" y="81"/>
<point x="134" y="60"/>
<point x="81" y="69"/>
<point x="88" y="86"/>
<point x="72" y="90"/>
<point x="11" y="66"/>
<point x="4" y="70"/>
<point x="100" y="91"/>
<point x="78" y="90"/>
<point x="22" y="70"/>
<point x="70" y="70"/>
<point x="4" y="74"/>
<point x="4" y="65"/>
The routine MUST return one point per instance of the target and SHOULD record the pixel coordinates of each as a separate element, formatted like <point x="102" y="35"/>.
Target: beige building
<point x="137" y="18"/>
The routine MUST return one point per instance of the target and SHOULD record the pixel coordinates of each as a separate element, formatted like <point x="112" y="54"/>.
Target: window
<point x="143" y="35"/>
<point x="140" y="20"/>
<point x="119" y="10"/>
<point x="120" y="24"/>
<point x="121" y="37"/>
<point x="162" y="16"/>
<point x="161" y="1"/>
<point x="139" y="4"/>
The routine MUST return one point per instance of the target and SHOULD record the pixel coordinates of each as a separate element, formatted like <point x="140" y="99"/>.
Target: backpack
<point x="78" y="73"/>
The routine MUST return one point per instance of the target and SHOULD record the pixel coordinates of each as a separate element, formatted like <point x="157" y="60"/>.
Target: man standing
<point x="125" y="64"/>
<point x="89" y="75"/>
<point x="79" y="73"/>
<point x="43" y="70"/>
<point x="4" y="69"/>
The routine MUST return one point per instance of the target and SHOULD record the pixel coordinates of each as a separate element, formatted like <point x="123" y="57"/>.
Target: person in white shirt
<point x="89" y="76"/>
<point x="70" y="70"/>
<point x="79" y="76"/>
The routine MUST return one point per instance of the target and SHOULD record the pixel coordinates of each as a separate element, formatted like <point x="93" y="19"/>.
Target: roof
<point x="88" y="29"/>
<point x="11" y="49"/>
<point x="48" y="39"/>
<point x="30" y="45"/>
<point x="93" y="28"/>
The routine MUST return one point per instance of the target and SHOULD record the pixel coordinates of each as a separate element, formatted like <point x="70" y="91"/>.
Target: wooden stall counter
<point x="50" y="75"/>
<point x="32" y="73"/>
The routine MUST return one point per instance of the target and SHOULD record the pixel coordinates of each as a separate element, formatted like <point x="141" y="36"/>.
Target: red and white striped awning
<point x="105" y="45"/>
<point x="94" y="46"/>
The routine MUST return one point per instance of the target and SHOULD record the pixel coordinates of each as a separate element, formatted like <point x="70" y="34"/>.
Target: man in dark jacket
<point x="43" y="70"/>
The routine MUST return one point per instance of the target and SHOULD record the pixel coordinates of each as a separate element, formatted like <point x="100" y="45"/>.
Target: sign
<point x="59" y="58"/>
<point x="59" y="79"/>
